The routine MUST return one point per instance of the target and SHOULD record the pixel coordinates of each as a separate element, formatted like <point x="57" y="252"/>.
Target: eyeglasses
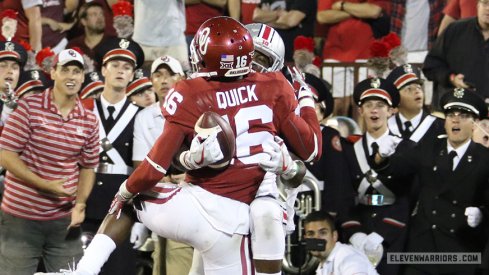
<point x="462" y="116"/>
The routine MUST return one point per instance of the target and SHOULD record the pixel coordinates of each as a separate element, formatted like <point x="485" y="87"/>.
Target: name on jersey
<point x="236" y="97"/>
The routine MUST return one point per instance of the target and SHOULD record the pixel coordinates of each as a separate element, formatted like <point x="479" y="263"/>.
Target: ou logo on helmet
<point x="204" y="40"/>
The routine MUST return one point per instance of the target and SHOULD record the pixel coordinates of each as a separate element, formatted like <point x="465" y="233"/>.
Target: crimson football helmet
<point x="222" y="47"/>
<point x="269" y="43"/>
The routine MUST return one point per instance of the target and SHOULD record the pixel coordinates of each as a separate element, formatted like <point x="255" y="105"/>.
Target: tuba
<point x="305" y="203"/>
<point x="8" y="97"/>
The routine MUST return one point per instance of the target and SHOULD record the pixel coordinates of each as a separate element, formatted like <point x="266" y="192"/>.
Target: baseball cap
<point x="171" y="62"/>
<point x="68" y="55"/>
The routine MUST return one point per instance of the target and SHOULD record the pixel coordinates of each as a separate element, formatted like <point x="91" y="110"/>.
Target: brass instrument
<point x="304" y="204"/>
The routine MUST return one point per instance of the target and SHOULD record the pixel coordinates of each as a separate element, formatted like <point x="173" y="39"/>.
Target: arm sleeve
<point x="302" y="133"/>
<point x="156" y="164"/>
<point x="17" y="131"/>
<point x="435" y="66"/>
<point x="90" y="152"/>
<point x="452" y="9"/>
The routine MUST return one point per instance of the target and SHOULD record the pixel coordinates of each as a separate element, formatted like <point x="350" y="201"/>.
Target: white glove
<point x="388" y="145"/>
<point x="370" y="244"/>
<point x="358" y="239"/>
<point x="305" y="96"/>
<point x="204" y="150"/>
<point x="139" y="234"/>
<point x="366" y="242"/>
<point x="280" y="162"/>
<point x="474" y="216"/>
<point x="120" y="199"/>
<point x="373" y="241"/>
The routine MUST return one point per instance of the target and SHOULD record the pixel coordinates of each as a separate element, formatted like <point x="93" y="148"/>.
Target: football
<point x="225" y="136"/>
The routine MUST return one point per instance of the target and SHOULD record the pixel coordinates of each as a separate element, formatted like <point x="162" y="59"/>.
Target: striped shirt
<point x="53" y="148"/>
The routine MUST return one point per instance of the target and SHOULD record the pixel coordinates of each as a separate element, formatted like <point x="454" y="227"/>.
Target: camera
<point x="314" y="244"/>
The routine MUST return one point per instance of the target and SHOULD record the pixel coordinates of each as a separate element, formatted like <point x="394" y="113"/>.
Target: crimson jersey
<point x="257" y="107"/>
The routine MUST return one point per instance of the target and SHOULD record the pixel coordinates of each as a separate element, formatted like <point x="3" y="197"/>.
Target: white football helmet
<point x="269" y="43"/>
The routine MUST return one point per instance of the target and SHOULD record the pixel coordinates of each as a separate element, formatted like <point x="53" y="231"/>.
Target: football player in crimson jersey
<point x="268" y="224"/>
<point x="210" y="211"/>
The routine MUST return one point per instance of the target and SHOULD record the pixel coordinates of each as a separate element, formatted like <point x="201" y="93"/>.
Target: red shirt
<point x="52" y="9"/>
<point x="459" y="9"/>
<point x="247" y="9"/>
<point x="350" y="39"/>
<point x="257" y="107"/>
<point x="197" y="14"/>
<point x="51" y="147"/>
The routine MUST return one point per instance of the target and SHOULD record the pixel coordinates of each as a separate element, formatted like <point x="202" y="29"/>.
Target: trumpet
<point x="8" y="97"/>
<point x="304" y="204"/>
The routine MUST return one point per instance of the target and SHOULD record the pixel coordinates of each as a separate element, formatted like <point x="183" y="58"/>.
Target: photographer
<point x="336" y="258"/>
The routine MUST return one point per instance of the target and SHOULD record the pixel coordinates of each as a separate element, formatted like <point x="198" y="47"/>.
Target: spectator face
<point x="321" y="230"/>
<point x="9" y="73"/>
<point x="412" y="97"/>
<point x="459" y="127"/>
<point x="163" y="80"/>
<point x="68" y="79"/>
<point x="95" y="20"/>
<point x="483" y="13"/>
<point x="375" y="113"/>
<point x="481" y="132"/>
<point x="118" y="73"/>
<point x="145" y="98"/>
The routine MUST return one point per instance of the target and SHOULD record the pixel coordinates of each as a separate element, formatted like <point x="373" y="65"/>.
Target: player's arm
<point x="152" y="169"/>
<point x="155" y="165"/>
<point x="33" y="15"/>
<point x="302" y="133"/>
